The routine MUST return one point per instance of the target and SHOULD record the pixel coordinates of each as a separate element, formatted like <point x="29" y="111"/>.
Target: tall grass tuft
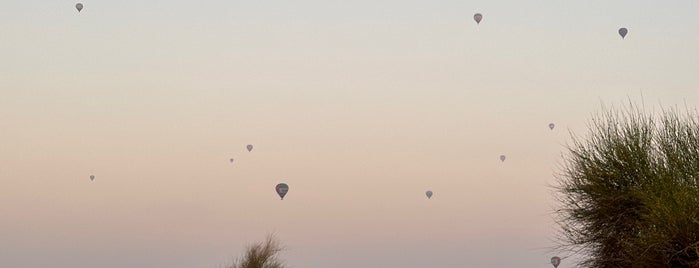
<point x="629" y="192"/>
<point x="261" y="255"/>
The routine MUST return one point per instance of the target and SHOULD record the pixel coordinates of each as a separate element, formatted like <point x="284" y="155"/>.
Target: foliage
<point x="629" y="192"/>
<point x="261" y="255"/>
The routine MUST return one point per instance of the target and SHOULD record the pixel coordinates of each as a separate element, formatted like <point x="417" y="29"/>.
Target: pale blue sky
<point x="360" y="106"/>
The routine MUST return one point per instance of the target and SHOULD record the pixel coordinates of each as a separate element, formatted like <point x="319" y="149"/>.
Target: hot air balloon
<point x="231" y="160"/>
<point x="282" y="189"/>
<point x="502" y="158"/>
<point x="428" y="194"/>
<point x="623" y="32"/>
<point x="79" y="6"/>
<point x="92" y="177"/>
<point x="555" y="261"/>
<point x="478" y="17"/>
<point x="249" y="147"/>
<point x="552" y="125"/>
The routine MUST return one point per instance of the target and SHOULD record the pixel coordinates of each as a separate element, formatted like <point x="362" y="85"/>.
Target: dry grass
<point x="261" y="255"/>
<point x="629" y="193"/>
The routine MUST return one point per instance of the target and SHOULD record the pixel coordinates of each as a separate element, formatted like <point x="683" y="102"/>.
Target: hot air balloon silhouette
<point x="428" y="194"/>
<point x="478" y="17"/>
<point x="552" y="125"/>
<point x="282" y="189"/>
<point x="249" y="147"/>
<point x="79" y="7"/>
<point x="92" y="177"/>
<point x="623" y="32"/>
<point x="502" y="158"/>
<point x="555" y="261"/>
<point x="231" y="160"/>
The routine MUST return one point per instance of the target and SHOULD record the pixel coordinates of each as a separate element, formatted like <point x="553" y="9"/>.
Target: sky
<point x="360" y="106"/>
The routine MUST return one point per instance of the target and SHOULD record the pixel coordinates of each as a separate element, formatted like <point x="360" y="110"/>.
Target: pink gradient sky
<point x="360" y="106"/>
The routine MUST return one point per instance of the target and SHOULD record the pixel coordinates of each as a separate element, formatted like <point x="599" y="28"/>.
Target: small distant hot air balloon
<point x="478" y="17"/>
<point x="502" y="158"/>
<point x="92" y="177"/>
<point x="79" y="6"/>
<point x="555" y="261"/>
<point x="232" y="160"/>
<point x="282" y="189"/>
<point x="552" y="125"/>
<point x="249" y="147"/>
<point x="623" y="32"/>
<point x="428" y="194"/>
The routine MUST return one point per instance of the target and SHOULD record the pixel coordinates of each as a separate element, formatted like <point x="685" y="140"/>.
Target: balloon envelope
<point x="79" y="7"/>
<point x="92" y="177"/>
<point x="555" y="261"/>
<point x="428" y="194"/>
<point x="623" y="32"/>
<point x="282" y="189"/>
<point x="502" y="158"/>
<point x="478" y="17"/>
<point x="249" y="147"/>
<point x="551" y="126"/>
<point x="231" y="160"/>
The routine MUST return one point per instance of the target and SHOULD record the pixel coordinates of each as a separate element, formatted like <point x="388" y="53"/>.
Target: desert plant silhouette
<point x="261" y="255"/>
<point x="629" y="192"/>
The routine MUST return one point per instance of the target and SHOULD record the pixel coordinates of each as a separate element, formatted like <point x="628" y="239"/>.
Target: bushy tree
<point x="261" y="255"/>
<point x="629" y="192"/>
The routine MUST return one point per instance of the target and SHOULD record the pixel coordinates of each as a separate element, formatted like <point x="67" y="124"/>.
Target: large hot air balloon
<point x="478" y="17"/>
<point x="552" y="125"/>
<point x="249" y="147"/>
<point x="92" y="177"/>
<point x="555" y="261"/>
<point x="502" y="158"/>
<point x="623" y="32"/>
<point x="428" y="194"/>
<point x="79" y="6"/>
<point x="282" y="189"/>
